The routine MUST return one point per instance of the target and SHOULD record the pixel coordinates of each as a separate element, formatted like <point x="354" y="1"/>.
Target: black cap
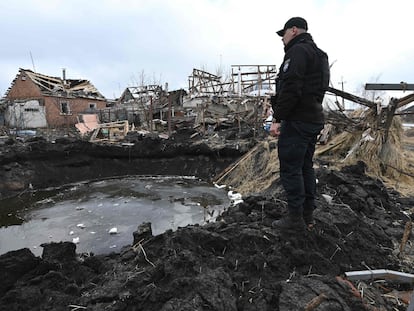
<point x="294" y="21"/>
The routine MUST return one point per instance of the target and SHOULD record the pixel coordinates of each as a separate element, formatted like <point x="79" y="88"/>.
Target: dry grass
<point x="392" y="161"/>
<point x="403" y="182"/>
<point x="257" y="171"/>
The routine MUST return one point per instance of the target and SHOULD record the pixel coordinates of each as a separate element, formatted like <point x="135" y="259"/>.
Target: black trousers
<point x="296" y="147"/>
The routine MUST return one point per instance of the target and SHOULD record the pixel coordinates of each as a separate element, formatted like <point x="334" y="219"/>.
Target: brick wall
<point x="24" y="88"/>
<point x="56" y="118"/>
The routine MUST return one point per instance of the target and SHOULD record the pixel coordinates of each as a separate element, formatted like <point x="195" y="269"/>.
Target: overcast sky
<point x="118" y="43"/>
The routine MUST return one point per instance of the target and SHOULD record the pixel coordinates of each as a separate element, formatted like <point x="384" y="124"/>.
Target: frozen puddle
<point x="101" y="216"/>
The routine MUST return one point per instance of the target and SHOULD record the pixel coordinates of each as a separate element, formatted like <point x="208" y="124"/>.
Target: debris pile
<point x="214" y="114"/>
<point x="373" y="134"/>
<point x="360" y="139"/>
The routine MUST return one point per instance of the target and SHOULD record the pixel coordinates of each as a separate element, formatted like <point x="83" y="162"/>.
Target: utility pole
<point x="342" y="85"/>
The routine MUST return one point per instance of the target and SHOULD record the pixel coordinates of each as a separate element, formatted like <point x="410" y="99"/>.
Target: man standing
<point x="300" y="87"/>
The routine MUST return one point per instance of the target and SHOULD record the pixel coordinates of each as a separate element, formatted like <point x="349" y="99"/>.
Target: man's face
<point x="290" y="33"/>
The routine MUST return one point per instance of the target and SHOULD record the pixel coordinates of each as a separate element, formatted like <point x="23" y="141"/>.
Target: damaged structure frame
<point x="212" y="102"/>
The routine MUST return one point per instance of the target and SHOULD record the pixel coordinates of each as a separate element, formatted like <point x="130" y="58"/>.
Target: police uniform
<point x="300" y="87"/>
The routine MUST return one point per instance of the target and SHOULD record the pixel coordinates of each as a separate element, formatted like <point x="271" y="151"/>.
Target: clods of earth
<point x="238" y="262"/>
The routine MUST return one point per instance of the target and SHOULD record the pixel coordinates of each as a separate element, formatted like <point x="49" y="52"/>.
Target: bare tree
<point x="372" y="95"/>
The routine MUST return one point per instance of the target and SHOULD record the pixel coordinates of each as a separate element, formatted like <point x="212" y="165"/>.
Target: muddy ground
<point x="39" y="163"/>
<point x="237" y="263"/>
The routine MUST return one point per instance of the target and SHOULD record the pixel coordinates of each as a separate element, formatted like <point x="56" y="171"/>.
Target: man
<point x="300" y="87"/>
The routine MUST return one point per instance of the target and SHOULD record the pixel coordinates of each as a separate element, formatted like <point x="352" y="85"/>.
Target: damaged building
<point x="243" y="97"/>
<point x="212" y="102"/>
<point x="36" y="100"/>
<point x="148" y="106"/>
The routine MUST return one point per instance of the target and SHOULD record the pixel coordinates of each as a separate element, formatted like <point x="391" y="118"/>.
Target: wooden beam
<point x="390" y="86"/>
<point x="392" y="106"/>
<point x="405" y="100"/>
<point x="354" y="98"/>
<point x="273" y="66"/>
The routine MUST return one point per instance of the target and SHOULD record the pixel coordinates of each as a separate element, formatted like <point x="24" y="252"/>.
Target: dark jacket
<point x="299" y="89"/>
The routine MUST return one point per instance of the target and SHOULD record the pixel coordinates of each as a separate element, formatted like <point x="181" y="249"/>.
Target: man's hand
<point x="275" y="129"/>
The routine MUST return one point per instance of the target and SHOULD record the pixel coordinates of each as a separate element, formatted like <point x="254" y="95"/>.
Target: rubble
<point x="110" y="132"/>
<point x="352" y="259"/>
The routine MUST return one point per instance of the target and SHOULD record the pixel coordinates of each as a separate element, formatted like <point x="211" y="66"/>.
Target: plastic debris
<point x="219" y="186"/>
<point x="235" y="197"/>
<point x="327" y="198"/>
<point x="232" y="195"/>
<point x="395" y="276"/>
<point x="113" y="230"/>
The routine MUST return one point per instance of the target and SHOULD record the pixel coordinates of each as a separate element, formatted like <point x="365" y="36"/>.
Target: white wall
<point x="26" y="115"/>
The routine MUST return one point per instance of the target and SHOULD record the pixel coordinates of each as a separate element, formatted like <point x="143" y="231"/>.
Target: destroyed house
<point x="138" y="104"/>
<point x="140" y="94"/>
<point x="147" y="103"/>
<point x="35" y="100"/>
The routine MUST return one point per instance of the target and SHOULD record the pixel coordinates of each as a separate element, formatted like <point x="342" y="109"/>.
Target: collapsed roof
<point x="56" y="86"/>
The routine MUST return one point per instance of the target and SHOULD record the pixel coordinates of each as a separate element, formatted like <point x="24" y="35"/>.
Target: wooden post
<point x="169" y="114"/>
<point x="150" y="115"/>
<point x="392" y="106"/>
<point x="203" y="119"/>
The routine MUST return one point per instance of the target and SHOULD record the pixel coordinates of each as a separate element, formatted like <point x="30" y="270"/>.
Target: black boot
<point x="308" y="218"/>
<point x="290" y="222"/>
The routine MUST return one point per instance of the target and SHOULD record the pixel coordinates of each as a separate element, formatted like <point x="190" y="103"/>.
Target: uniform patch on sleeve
<point x="286" y="65"/>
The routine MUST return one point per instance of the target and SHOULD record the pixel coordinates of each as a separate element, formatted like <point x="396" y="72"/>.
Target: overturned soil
<point x="236" y="263"/>
<point x="37" y="163"/>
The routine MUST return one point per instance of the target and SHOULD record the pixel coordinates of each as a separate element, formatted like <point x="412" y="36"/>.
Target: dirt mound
<point x="236" y="263"/>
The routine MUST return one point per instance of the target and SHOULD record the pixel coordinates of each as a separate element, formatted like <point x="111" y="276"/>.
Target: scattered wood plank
<point x="315" y="302"/>
<point x="406" y="236"/>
